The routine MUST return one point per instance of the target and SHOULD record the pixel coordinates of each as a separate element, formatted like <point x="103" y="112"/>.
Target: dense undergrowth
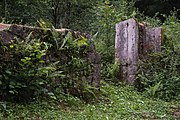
<point x="115" y="102"/>
<point x="160" y="73"/>
<point x="44" y="67"/>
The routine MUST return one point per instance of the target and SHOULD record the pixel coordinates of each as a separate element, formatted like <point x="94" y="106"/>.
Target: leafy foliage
<point x="35" y="67"/>
<point x="160" y="73"/>
<point x="23" y="72"/>
<point x="150" y="8"/>
<point x="117" y="102"/>
<point x="75" y="66"/>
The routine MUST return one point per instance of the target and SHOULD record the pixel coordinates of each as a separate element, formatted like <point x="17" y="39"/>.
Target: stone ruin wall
<point x="10" y="32"/>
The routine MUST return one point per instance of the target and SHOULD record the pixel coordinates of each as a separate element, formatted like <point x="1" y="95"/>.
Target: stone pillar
<point x="126" y="45"/>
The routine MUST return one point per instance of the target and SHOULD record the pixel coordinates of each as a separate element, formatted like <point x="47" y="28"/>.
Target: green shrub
<point x="76" y="67"/>
<point x="160" y="73"/>
<point x="22" y="72"/>
<point x="32" y="68"/>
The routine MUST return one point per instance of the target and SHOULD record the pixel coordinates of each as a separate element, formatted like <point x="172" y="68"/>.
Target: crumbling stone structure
<point x="10" y="32"/>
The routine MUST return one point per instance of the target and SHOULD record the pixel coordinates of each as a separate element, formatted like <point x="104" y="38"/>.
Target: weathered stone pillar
<point x="153" y="39"/>
<point x="150" y="40"/>
<point x="126" y="44"/>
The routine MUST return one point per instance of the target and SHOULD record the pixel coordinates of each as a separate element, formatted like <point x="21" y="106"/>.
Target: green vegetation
<point x="115" y="102"/>
<point x="47" y="77"/>
<point x="160" y="74"/>
<point x="57" y="65"/>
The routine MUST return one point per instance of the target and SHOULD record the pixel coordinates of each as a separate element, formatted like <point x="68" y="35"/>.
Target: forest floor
<point x="117" y="103"/>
